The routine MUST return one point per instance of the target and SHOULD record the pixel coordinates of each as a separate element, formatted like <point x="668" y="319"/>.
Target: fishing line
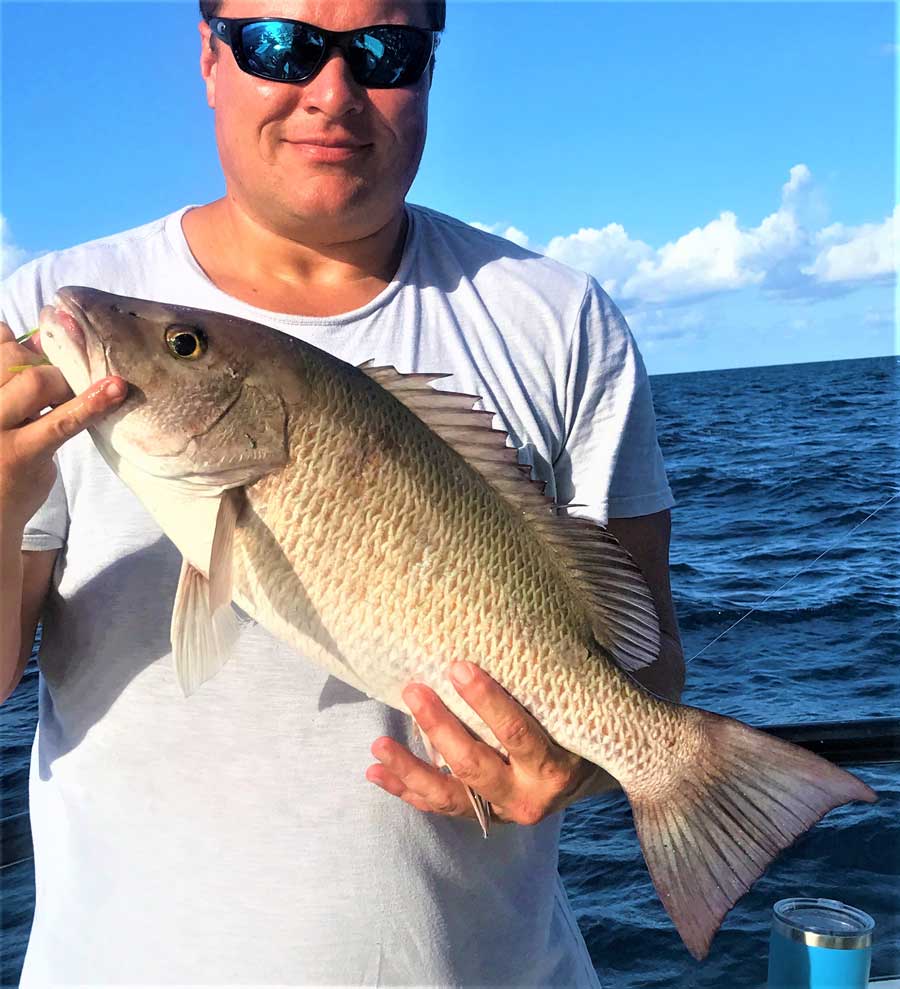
<point x="797" y="574"/>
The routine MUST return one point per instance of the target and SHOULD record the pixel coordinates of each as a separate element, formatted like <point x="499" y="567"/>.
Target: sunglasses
<point x="383" y="56"/>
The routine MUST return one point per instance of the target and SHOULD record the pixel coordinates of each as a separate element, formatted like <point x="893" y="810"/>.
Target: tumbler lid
<point x="823" y="923"/>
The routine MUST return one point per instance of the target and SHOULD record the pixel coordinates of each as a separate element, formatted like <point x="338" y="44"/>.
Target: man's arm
<point x="539" y="778"/>
<point x="647" y="540"/>
<point x="28" y="441"/>
<point x="20" y="614"/>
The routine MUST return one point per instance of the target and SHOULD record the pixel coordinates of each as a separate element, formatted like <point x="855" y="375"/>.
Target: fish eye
<point x="186" y="342"/>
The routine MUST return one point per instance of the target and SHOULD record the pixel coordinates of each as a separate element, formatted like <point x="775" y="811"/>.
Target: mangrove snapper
<point x="383" y="528"/>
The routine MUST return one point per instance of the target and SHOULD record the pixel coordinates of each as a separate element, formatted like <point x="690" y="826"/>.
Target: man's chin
<point x="352" y="215"/>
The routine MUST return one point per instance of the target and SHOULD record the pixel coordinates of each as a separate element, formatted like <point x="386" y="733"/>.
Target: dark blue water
<point x="771" y="467"/>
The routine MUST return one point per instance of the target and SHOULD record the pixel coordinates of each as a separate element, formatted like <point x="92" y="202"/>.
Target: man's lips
<point x="320" y="150"/>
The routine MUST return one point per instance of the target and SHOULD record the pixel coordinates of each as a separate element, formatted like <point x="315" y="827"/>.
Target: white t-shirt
<point x="231" y="838"/>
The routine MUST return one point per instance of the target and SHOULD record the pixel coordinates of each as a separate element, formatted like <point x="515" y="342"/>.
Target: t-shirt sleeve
<point x="48" y="527"/>
<point x="610" y="463"/>
<point x="21" y="298"/>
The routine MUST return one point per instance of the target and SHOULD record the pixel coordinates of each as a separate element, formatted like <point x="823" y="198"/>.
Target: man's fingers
<point x="472" y="761"/>
<point x="29" y="391"/>
<point x="392" y="784"/>
<point x="441" y="792"/>
<point x="14" y="355"/>
<point x="526" y="742"/>
<point x="536" y="781"/>
<point x="47" y="434"/>
<point x="34" y="343"/>
<point x="31" y="340"/>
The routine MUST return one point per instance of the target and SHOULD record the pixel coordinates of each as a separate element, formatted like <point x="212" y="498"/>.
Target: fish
<point x="382" y="526"/>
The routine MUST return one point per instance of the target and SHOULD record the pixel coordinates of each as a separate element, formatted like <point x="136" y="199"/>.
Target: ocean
<point x="771" y="467"/>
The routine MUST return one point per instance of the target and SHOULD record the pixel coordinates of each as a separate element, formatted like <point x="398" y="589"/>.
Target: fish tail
<point x="712" y="821"/>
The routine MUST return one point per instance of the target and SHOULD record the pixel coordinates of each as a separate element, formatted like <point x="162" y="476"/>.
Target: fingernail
<point x="462" y="672"/>
<point x="115" y="388"/>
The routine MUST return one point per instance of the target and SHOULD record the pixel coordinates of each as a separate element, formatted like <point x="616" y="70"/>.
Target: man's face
<point x="325" y="158"/>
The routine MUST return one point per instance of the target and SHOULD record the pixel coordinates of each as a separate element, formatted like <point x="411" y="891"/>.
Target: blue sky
<point x="726" y="170"/>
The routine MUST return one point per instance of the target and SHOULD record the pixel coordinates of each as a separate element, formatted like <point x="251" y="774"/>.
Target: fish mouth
<point x="66" y="340"/>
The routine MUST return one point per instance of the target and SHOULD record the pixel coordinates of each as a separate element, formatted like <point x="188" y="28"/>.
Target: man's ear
<point x="209" y="60"/>
<point x="437" y="41"/>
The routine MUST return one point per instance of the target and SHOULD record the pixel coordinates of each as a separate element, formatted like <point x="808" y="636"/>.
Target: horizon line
<point x="748" y="367"/>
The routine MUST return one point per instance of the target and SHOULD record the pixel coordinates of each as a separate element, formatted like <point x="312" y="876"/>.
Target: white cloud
<point x="706" y="260"/>
<point x="855" y="254"/>
<point x="11" y="255"/>
<point x="719" y="257"/>
<point x="890" y="49"/>
<point x="787" y="253"/>
<point x="609" y="254"/>
<point x="509" y="233"/>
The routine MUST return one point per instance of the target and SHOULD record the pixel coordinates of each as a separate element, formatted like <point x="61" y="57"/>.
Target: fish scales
<point x="381" y="528"/>
<point x="472" y="579"/>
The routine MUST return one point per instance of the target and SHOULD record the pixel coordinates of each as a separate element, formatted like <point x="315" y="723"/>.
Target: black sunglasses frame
<point x="228" y="30"/>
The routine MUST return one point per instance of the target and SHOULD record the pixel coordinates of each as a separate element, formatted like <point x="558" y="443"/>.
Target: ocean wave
<point x="855" y="607"/>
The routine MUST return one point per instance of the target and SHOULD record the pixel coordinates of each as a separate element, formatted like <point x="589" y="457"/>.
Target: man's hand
<point x="28" y="439"/>
<point x="537" y="779"/>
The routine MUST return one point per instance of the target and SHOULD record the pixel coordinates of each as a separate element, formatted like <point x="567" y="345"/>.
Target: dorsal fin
<point x="624" y="617"/>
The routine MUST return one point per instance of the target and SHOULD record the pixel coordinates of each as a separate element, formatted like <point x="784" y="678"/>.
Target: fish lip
<point x="68" y="306"/>
<point x="67" y="339"/>
<point x="66" y="303"/>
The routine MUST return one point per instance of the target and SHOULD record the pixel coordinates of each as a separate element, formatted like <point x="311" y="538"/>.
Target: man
<point x="230" y="839"/>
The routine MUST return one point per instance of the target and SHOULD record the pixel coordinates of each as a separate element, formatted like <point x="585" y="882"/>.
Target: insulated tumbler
<point x="819" y="944"/>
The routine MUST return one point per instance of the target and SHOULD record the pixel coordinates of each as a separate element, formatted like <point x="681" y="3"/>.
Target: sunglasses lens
<point x="388" y="57"/>
<point x="279" y="50"/>
<point x="383" y="57"/>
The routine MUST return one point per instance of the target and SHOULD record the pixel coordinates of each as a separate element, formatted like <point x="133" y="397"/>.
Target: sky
<point x="726" y="171"/>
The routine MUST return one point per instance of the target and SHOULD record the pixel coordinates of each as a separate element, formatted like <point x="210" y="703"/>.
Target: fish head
<point x="199" y="408"/>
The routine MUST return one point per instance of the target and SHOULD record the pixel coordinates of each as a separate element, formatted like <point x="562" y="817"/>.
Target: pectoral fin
<point x="221" y="556"/>
<point x="204" y="625"/>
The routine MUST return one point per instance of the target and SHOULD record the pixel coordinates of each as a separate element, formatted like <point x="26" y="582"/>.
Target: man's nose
<point x="333" y="90"/>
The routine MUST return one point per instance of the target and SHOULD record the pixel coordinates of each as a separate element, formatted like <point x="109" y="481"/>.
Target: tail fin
<point x="712" y="833"/>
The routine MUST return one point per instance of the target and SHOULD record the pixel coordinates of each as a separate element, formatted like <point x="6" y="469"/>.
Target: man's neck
<point x="272" y="271"/>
